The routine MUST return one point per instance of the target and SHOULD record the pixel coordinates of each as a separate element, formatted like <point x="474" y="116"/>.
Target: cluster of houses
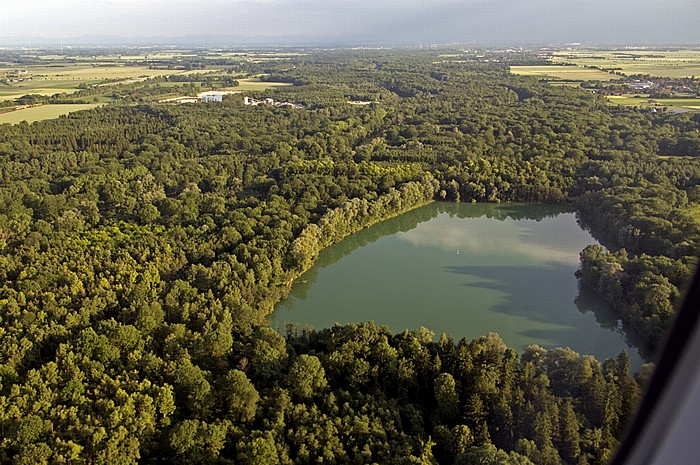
<point x="665" y="86"/>
<point x="17" y="76"/>
<point x="640" y="86"/>
<point x="656" y="87"/>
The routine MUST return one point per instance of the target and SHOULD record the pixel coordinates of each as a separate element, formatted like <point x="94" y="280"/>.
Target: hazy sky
<point x="361" y="21"/>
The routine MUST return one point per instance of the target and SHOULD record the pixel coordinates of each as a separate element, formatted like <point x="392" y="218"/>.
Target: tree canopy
<point x="142" y="247"/>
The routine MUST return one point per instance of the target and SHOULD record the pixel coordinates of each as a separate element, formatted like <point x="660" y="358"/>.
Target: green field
<point x="66" y="77"/>
<point x="692" y="104"/>
<point x="12" y="93"/>
<point x="86" y="72"/>
<point x="43" y="112"/>
<point x="678" y="63"/>
<point x="561" y="72"/>
<point x="56" y="74"/>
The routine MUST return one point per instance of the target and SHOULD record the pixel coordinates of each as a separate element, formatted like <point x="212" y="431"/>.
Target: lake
<point x="465" y="270"/>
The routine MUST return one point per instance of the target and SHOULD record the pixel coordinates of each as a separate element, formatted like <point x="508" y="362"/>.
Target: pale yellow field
<point x="256" y="84"/>
<point x="155" y="56"/>
<point x="692" y="104"/>
<point x="15" y="93"/>
<point x="49" y="80"/>
<point x="627" y="99"/>
<point x="113" y="58"/>
<point x="99" y="73"/>
<point x="662" y="63"/>
<point x="574" y="73"/>
<point x="43" y="112"/>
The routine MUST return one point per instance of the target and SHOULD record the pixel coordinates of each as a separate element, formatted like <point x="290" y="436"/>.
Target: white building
<point x="212" y="98"/>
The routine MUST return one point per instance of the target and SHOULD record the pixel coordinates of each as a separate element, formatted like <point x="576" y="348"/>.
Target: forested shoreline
<point x="142" y="247"/>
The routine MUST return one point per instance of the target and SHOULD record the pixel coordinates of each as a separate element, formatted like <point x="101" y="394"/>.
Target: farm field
<point x="113" y="58"/>
<point x="254" y="56"/>
<point x="89" y="72"/>
<point x="15" y="92"/>
<point x="562" y="72"/>
<point x="53" y="73"/>
<point x="84" y="73"/>
<point x="53" y="79"/>
<point x="155" y="56"/>
<point x="256" y="84"/>
<point x="564" y="83"/>
<point x="100" y="73"/>
<point x="43" y="112"/>
<point x="685" y="104"/>
<point x="676" y="64"/>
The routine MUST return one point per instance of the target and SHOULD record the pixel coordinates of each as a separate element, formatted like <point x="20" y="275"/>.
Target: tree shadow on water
<point x="588" y="301"/>
<point x="550" y="295"/>
<point x="530" y="291"/>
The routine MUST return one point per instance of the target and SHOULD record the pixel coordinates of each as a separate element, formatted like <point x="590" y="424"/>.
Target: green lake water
<point x="465" y="270"/>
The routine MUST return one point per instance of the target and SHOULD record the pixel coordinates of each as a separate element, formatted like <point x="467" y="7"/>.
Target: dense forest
<point x="143" y="246"/>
